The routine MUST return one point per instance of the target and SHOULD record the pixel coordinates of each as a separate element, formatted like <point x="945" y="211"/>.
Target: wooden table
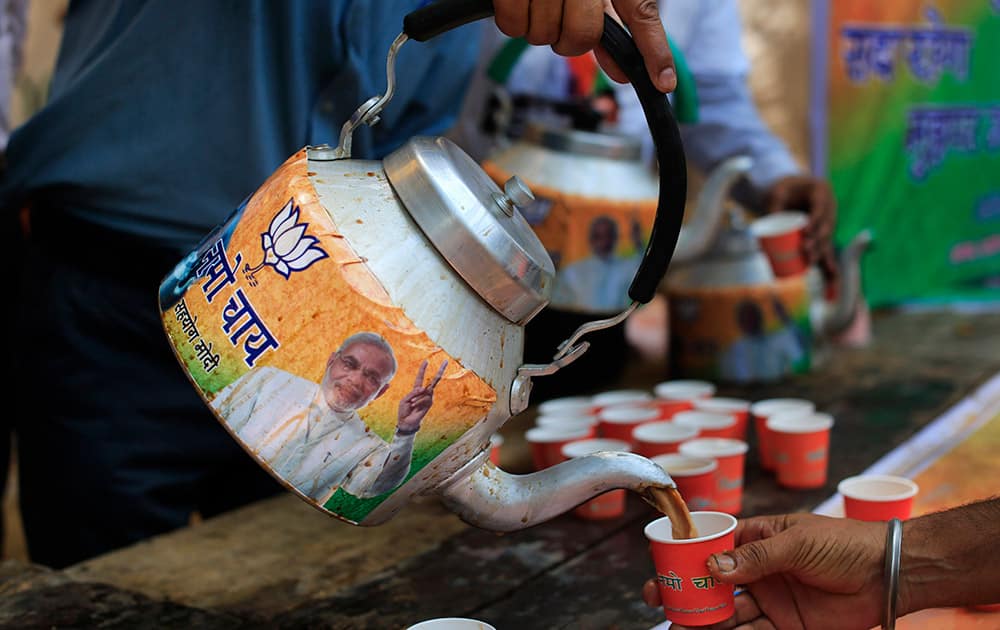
<point x="282" y="564"/>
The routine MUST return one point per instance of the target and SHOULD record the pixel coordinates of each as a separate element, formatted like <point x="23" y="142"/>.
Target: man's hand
<point x="572" y="27"/>
<point x="801" y="571"/>
<point x="814" y="196"/>
<point x="414" y="406"/>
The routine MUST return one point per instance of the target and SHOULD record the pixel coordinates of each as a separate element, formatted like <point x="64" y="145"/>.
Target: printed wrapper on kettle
<point x="278" y="287"/>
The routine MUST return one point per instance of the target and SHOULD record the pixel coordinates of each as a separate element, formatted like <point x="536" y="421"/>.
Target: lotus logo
<point x="286" y="246"/>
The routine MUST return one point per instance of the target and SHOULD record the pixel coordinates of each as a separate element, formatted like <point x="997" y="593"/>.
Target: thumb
<point x="751" y="562"/>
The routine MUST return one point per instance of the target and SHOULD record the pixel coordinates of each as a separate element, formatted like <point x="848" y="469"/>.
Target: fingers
<point x="751" y="562"/>
<point x="642" y="17"/>
<point x="746" y="616"/>
<point x="512" y="16"/>
<point x="544" y="22"/>
<point x="437" y="377"/>
<point x="651" y="594"/>
<point x="582" y="26"/>
<point x="419" y="383"/>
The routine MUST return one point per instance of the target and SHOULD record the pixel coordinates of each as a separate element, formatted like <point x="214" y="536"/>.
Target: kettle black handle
<point x="444" y="15"/>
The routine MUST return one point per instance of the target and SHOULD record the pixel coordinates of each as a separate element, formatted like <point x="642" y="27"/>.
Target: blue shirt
<point x="164" y="115"/>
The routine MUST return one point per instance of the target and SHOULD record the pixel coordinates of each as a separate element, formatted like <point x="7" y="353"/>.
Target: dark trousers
<point x="114" y="444"/>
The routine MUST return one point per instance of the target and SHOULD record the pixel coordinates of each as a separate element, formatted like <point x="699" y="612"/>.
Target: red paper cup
<point x="780" y="236"/>
<point x="691" y="596"/>
<point x="764" y="409"/>
<point x="801" y="448"/>
<point x="731" y="456"/>
<point x="710" y="423"/>
<point x="661" y="437"/>
<point x="547" y="442"/>
<point x="574" y="405"/>
<point x="620" y="397"/>
<point x="670" y="408"/>
<point x="618" y="422"/>
<point x="610" y="504"/>
<point x="694" y="476"/>
<point x="684" y="389"/>
<point x="877" y="497"/>
<point x="496" y="441"/>
<point x="735" y="406"/>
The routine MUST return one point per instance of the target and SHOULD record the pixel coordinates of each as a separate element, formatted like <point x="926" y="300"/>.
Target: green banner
<point x="908" y="130"/>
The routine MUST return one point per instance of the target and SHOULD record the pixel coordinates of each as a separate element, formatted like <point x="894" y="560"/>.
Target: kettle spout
<point x="699" y="233"/>
<point x="492" y="499"/>
<point x="840" y="317"/>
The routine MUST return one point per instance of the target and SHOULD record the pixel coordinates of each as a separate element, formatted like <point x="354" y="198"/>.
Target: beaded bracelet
<point x="893" y="552"/>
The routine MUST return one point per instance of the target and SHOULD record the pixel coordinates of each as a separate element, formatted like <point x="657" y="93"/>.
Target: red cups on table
<point x="709" y="423"/>
<point x="780" y="236"/>
<point x="547" y="442"/>
<point x="691" y="596"/>
<point x="572" y="405"/>
<point x="801" y="448"/>
<point x="684" y="389"/>
<point x="618" y="422"/>
<point x="764" y="409"/>
<point x="610" y="504"/>
<point x="694" y="476"/>
<point x="877" y="497"/>
<point x="661" y="437"/>
<point x="740" y="409"/>
<point x="731" y="456"/>
<point x="620" y="397"/>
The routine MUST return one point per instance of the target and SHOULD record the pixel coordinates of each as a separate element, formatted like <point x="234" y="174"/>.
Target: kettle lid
<point x="612" y="146"/>
<point x="473" y="224"/>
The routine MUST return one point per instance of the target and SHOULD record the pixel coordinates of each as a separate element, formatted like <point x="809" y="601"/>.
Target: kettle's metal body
<point x="312" y="323"/>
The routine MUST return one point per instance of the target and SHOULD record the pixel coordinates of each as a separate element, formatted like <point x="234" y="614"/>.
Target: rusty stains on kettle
<point x="370" y="173"/>
<point x="311" y="173"/>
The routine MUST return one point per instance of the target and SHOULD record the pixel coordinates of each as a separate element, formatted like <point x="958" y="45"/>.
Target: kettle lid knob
<point x="516" y="195"/>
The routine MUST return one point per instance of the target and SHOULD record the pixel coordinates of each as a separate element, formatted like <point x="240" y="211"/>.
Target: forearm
<point x="951" y="558"/>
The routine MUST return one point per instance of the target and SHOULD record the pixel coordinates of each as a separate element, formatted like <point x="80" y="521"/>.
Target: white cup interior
<point x="496" y="440"/>
<point x="709" y="525"/>
<point x="877" y="488"/>
<point x="566" y="421"/>
<point x="678" y="465"/>
<point x="684" y="389"/>
<point x="555" y="434"/>
<point x="628" y="414"/>
<point x="705" y="419"/>
<point x="778" y="223"/>
<point x="767" y="408"/>
<point x="451" y="623"/>
<point x="664" y="432"/>
<point x="713" y="447"/>
<point x="726" y="405"/>
<point x="582" y="448"/>
<point x="619" y="396"/>
<point x="570" y="404"/>
<point x="795" y="422"/>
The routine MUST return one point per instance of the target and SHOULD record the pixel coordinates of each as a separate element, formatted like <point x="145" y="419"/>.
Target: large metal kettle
<point x="357" y="326"/>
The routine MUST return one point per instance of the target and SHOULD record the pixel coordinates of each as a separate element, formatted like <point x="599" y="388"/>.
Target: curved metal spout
<point x="699" y="233"/>
<point x="498" y="501"/>
<point x="839" y="316"/>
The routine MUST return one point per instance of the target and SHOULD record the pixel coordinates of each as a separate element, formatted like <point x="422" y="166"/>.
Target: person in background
<point x="708" y="34"/>
<point x="814" y="572"/>
<point x="13" y="29"/>
<point x="162" y="117"/>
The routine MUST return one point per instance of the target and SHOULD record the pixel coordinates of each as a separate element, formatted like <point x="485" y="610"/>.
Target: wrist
<point x="406" y="432"/>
